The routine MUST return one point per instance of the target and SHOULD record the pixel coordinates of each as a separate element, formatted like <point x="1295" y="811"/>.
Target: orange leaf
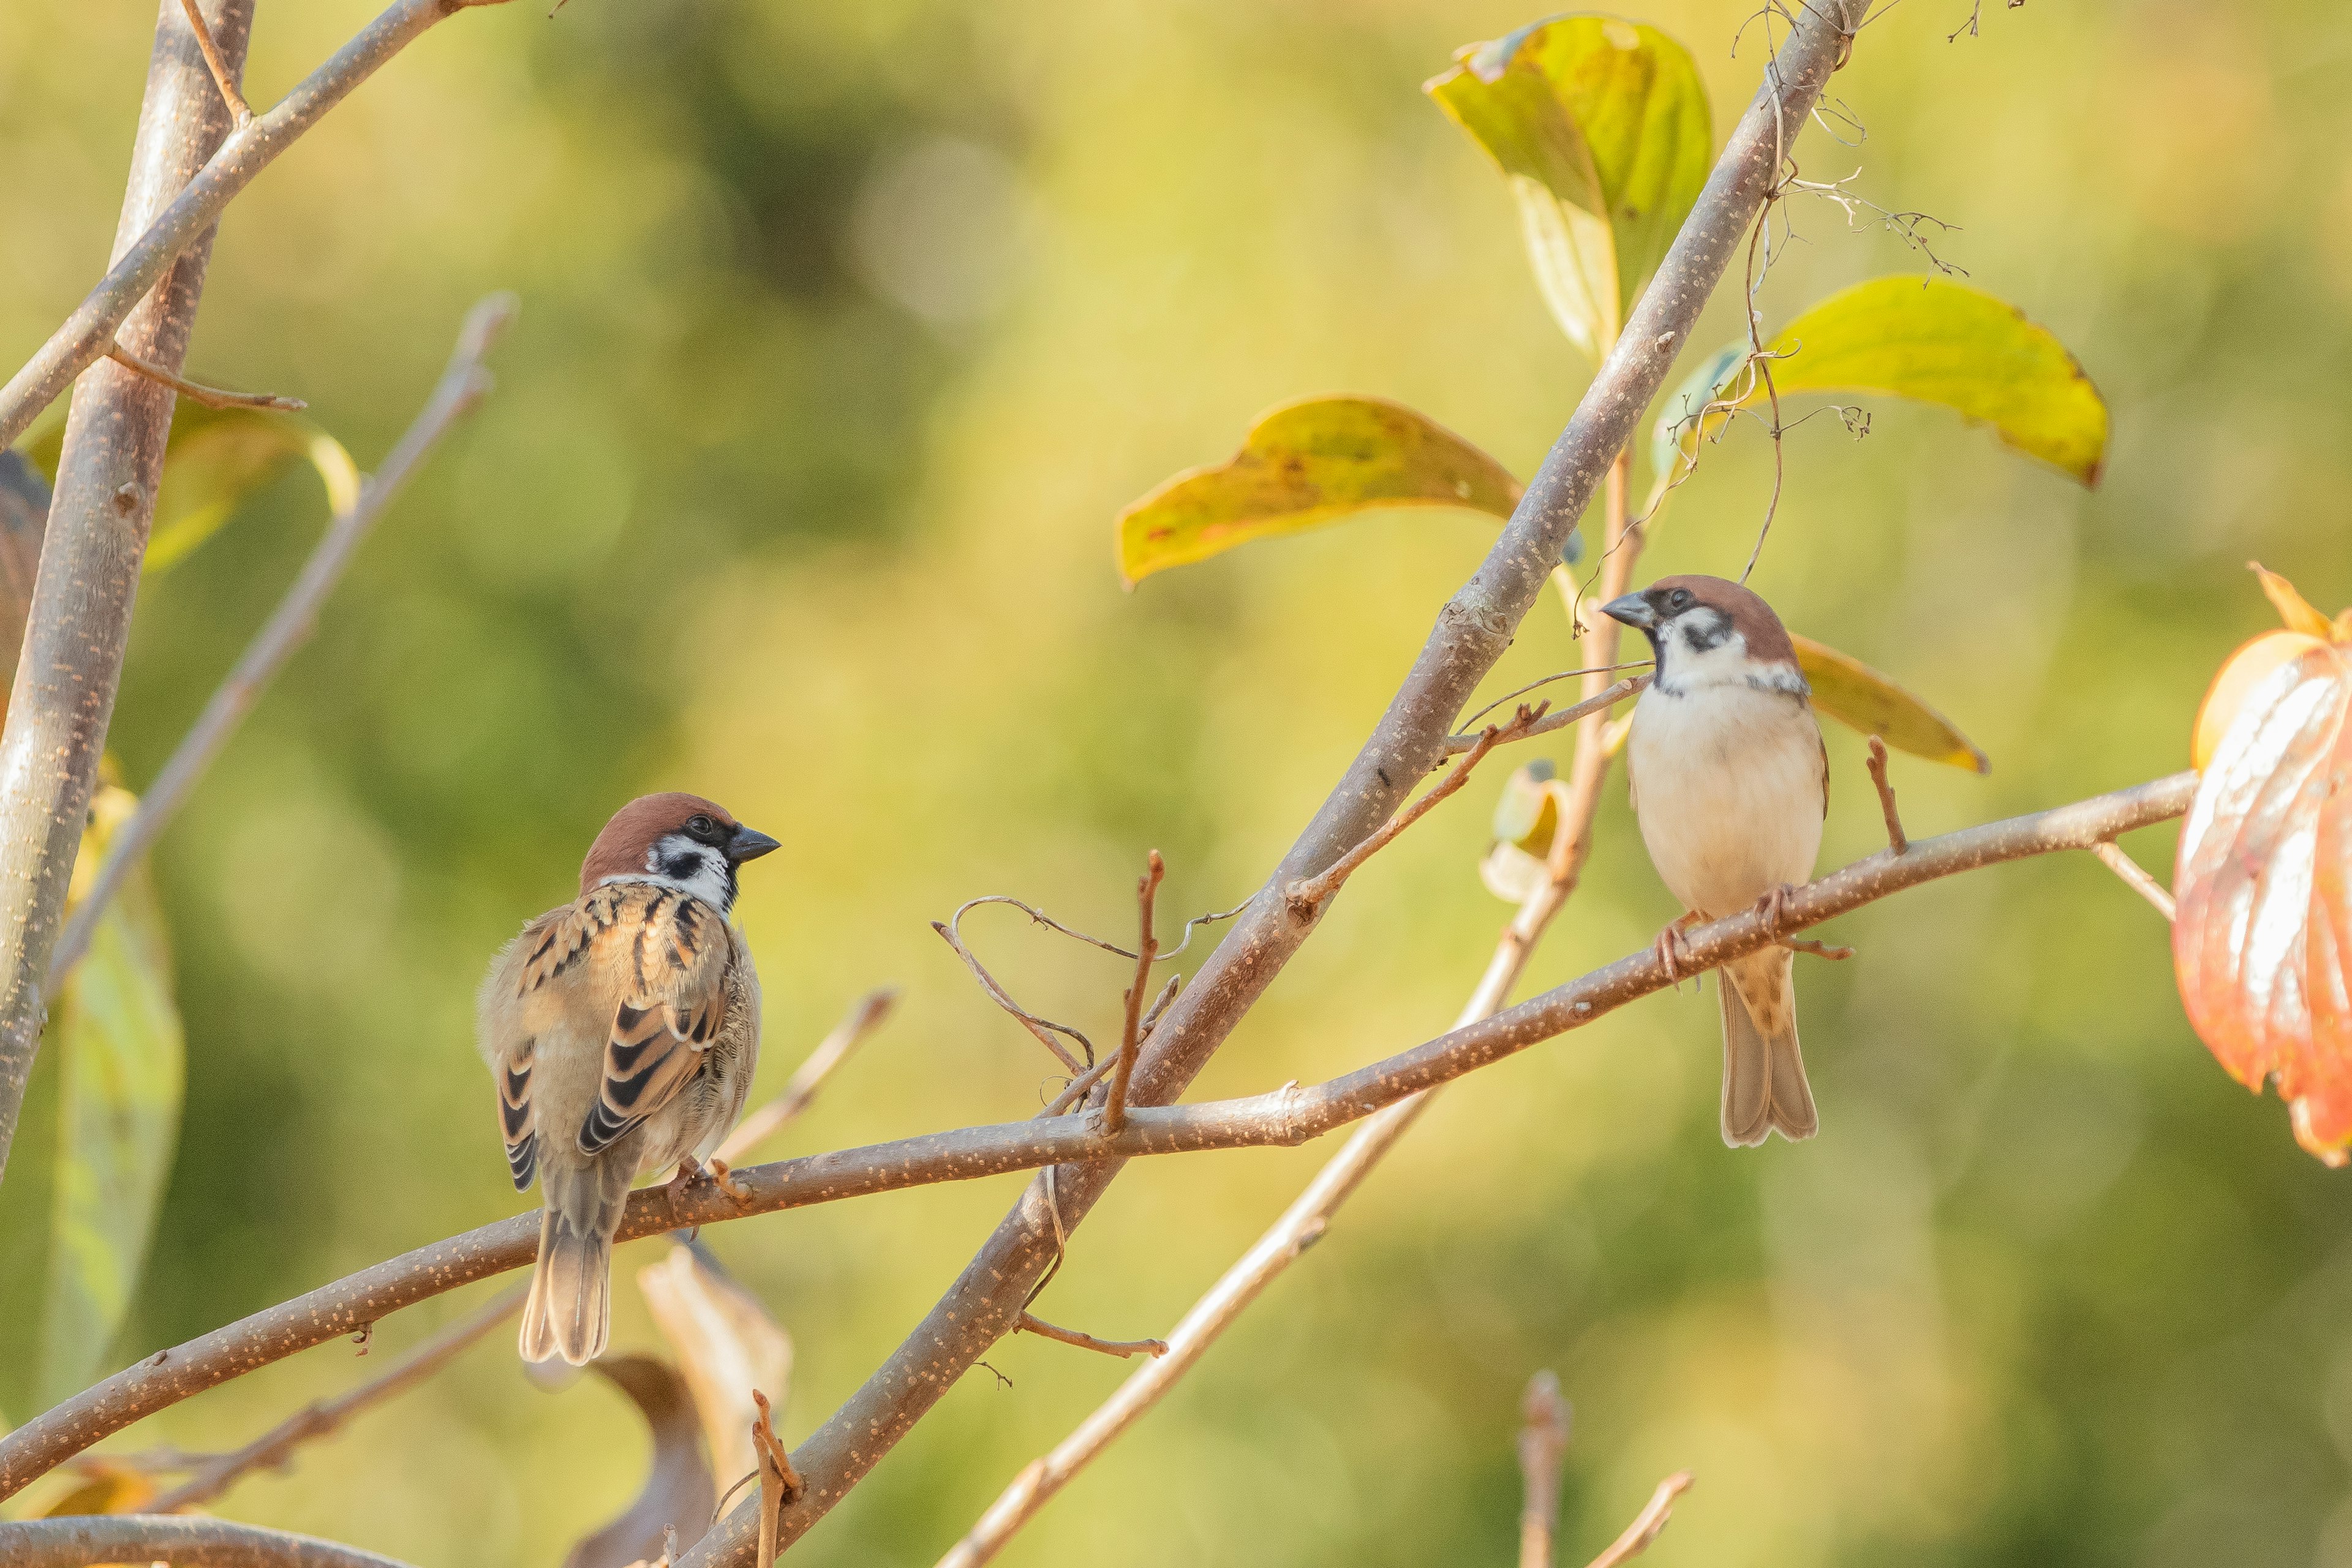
<point x="2294" y="609"/>
<point x="2261" y="945"/>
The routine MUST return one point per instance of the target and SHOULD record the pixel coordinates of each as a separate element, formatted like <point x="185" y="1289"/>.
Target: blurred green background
<point x="845" y="331"/>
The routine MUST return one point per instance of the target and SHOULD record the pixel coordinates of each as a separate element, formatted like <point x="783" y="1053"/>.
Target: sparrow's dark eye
<point x="700" y="827"/>
<point x="1679" y="600"/>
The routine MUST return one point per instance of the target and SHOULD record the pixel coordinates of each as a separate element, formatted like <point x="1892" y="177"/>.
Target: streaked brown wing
<point x="515" y="1116"/>
<point x="674" y="998"/>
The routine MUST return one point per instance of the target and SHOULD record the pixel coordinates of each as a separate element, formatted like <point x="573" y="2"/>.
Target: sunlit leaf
<point x="1853" y="693"/>
<point x="2240" y="674"/>
<point x="1601" y="128"/>
<point x="1304" y="465"/>
<point x="116" y="1029"/>
<point x="1943" y="343"/>
<point x="108" y="1485"/>
<point x="678" y="1494"/>
<point x="2262" y="940"/>
<point x="215" y="459"/>
<point x="726" y="1346"/>
<point x="1528" y="811"/>
<point x="2294" y="611"/>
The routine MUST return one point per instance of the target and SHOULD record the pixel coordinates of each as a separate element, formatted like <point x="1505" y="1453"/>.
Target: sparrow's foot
<point x="726" y="1182"/>
<point x="1818" y="949"/>
<point x="1774" y="907"/>
<point x="1672" y="948"/>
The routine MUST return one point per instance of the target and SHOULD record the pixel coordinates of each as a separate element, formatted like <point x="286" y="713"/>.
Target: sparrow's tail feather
<point x="1764" y="1082"/>
<point x="570" y="1308"/>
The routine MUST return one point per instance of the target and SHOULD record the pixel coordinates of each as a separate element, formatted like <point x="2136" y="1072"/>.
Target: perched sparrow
<point x="622" y="1030"/>
<point x="1731" y="782"/>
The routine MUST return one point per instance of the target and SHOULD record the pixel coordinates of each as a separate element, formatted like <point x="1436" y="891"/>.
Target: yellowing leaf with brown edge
<point x="2261" y="938"/>
<point x="1853" y="693"/>
<point x="1304" y="465"/>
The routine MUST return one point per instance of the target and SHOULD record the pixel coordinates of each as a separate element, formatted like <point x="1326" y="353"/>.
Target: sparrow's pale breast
<point x="1728" y="788"/>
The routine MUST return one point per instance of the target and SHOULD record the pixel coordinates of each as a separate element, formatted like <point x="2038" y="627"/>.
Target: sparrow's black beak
<point x="1633" y="610"/>
<point x="747" y="844"/>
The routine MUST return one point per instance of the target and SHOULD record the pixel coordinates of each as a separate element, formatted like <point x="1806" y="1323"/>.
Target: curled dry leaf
<point x="726" y="1346"/>
<point x="1303" y="465"/>
<point x="2262" y="940"/>
<point x="677" y="1496"/>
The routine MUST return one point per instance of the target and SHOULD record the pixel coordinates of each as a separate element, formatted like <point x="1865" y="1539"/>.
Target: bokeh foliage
<point x="846" y="331"/>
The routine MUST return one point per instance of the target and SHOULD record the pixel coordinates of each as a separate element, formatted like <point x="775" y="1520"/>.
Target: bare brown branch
<point x="78" y="1541"/>
<point x="2112" y="856"/>
<point x="1031" y="1323"/>
<point x="210" y="397"/>
<point x="274" y="1449"/>
<point x="1647" y="1523"/>
<point x="461" y="387"/>
<point x="1307" y="895"/>
<point x="1894" y="838"/>
<point x="1543" y="1448"/>
<point x="1599" y="702"/>
<point x="1287" y="1116"/>
<point x="800" y="1090"/>
<point x="780" y="1484"/>
<point x="1045" y="1029"/>
<point x="1146" y="947"/>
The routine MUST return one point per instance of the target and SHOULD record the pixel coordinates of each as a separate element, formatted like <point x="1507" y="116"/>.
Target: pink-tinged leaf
<point x="2261" y="944"/>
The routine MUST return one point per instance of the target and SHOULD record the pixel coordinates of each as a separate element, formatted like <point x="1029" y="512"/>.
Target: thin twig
<point x="1894" y="838"/>
<point x="1647" y="1523"/>
<point x="2112" y="856"/>
<point x="1546" y="680"/>
<point x="1309" y="894"/>
<point x="275" y="1448"/>
<point x="801" y="1089"/>
<point x="289" y="625"/>
<point x="1285" y="1117"/>
<point x="1599" y="703"/>
<point x="1031" y="1323"/>
<point x="1543" y="1448"/>
<point x="1076" y="1087"/>
<point x="210" y="397"/>
<point x="222" y="78"/>
<point x="1044" y="1028"/>
<point x="1146" y="947"/>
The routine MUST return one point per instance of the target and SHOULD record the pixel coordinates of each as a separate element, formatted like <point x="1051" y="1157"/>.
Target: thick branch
<point x="289" y="625"/>
<point x="78" y="1541"/>
<point x="1472" y="631"/>
<point x="62" y="699"/>
<point x="164" y="232"/>
<point x="1287" y="1116"/>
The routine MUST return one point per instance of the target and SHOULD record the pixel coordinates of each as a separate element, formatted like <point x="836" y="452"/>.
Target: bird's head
<point x="682" y="840"/>
<point x="1709" y="631"/>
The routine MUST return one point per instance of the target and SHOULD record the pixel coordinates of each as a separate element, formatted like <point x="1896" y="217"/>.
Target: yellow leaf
<point x="2294" y="611"/>
<point x="1853" y="693"/>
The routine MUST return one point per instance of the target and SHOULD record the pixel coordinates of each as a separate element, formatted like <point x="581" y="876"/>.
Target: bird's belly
<point x="1728" y="791"/>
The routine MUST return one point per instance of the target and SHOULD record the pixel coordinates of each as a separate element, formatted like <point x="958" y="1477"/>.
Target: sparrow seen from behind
<point x="621" y="1031"/>
<point x="1730" y="785"/>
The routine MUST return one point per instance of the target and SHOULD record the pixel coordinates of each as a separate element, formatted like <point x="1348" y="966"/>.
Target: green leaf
<point x="123" y="1063"/>
<point x="215" y="459"/>
<point x="1943" y="343"/>
<point x="1853" y="693"/>
<point x="1303" y="465"/>
<point x="1601" y="128"/>
<point x="1528" y="810"/>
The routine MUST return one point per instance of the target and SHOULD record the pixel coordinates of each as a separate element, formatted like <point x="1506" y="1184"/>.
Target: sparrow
<point x="621" y="1031"/>
<point x="1730" y="784"/>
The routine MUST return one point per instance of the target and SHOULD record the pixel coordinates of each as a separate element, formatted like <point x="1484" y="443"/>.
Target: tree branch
<point x="2112" y="856"/>
<point x="79" y="1539"/>
<point x="1895" y="837"/>
<point x="210" y="397"/>
<point x="225" y="75"/>
<point x="62" y="697"/>
<point x="289" y="625"/>
<point x="1031" y="1323"/>
<point x="1647" y="1523"/>
<point x="1599" y="702"/>
<point x="801" y="1089"/>
<point x="274" y="1449"/>
<point x="1543" y="1445"/>
<point x="195" y="203"/>
<point x="1287" y="1116"/>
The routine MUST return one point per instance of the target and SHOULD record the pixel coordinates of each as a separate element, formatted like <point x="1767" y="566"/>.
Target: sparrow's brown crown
<point x="621" y="848"/>
<point x="1767" y="639"/>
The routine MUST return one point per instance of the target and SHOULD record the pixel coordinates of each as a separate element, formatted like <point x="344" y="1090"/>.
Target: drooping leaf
<point x="1303" y="465"/>
<point x="1601" y="128"/>
<point x="1939" y="342"/>
<point x="726" y="1346"/>
<point x="1853" y="693"/>
<point x="117" y="1028"/>
<point x="678" y="1494"/>
<point x="215" y="459"/>
<point x="2262" y="939"/>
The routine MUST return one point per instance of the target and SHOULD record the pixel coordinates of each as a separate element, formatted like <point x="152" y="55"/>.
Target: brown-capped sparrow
<point x="622" y="1030"/>
<point x="1730" y="785"/>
